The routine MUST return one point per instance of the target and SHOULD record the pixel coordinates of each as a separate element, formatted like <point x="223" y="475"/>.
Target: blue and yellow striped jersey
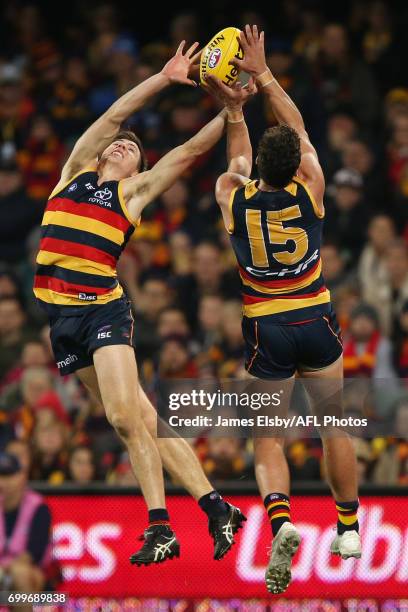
<point x="276" y="237"/>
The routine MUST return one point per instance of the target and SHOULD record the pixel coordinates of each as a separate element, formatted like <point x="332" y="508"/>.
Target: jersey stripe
<point x="82" y="223"/>
<point x="283" y="286"/>
<point x="80" y="237"/>
<point x="89" y="211"/>
<point x="60" y="286"/>
<point x="75" y="277"/>
<point x="73" y="249"/>
<point x="87" y="266"/>
<point x="51" y="297"/>
<point x="279" y="305"/>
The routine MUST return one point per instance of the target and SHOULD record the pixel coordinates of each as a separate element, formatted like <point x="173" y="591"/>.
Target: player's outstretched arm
<point x="239" y="149"/>
<point x="99" y="135"/>
<point x="282" y="106"/>
<point x="140" y="190"/>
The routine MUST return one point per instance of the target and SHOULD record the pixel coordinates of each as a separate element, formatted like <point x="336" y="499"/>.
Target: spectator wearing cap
<point x="346" y="214"/>
<point x="366" y="353"/>
<point x="25" y="520"/>
<point x="18" y="212"/>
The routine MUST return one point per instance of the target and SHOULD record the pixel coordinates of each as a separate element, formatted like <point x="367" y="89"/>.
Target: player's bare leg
<point x="116" y="371"/>
<point x="341" y="465"/>
<point x="182" y="464"/>
<point x="272" y="476"/>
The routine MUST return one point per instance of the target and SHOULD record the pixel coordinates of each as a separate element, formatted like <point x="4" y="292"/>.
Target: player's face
<point x="125" y="154"/>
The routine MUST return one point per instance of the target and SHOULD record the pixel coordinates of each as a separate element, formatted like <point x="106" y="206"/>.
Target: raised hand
<point x="180" y="65"/>
<point x="252" y="43"/>
<point x="233" y="97"/>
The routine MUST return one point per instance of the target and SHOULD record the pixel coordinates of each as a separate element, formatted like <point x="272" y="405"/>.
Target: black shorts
<point x="75" y="338"/>
<point x="278" y="351"/>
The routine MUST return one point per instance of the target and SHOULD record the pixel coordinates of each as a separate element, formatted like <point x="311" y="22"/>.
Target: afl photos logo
<point x="214" y="58"/>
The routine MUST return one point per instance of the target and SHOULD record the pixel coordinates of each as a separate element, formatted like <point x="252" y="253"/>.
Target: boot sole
<point x="278" y="577"/>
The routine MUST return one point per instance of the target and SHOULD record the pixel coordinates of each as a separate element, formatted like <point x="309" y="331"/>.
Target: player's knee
<point x="123" y="420"/>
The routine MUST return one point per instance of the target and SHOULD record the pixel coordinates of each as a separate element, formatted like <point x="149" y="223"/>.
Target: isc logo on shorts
<point x="104" y="332"/>
<point x="103" y="335"/>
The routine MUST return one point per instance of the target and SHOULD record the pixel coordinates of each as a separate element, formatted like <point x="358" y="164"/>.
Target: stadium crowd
<point x="350" y="84"/>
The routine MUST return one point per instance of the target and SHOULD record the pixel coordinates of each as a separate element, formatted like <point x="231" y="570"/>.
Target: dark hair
<point x="278" y="155"/>
<point x="129" y="135"/>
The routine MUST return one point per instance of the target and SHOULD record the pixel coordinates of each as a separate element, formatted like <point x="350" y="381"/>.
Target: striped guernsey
<point x="276" y="237"/>
<point x="84" y="231"/>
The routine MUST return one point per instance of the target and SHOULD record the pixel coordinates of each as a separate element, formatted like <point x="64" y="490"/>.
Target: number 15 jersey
<point x="276" y="237"/>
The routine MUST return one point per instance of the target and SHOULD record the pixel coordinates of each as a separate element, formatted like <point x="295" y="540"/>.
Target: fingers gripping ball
<point x="216" y="56"/>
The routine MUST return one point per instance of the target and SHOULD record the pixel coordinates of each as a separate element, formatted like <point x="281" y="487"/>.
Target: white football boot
<point x="347" y="545"/>
<point x="284" y="546"/>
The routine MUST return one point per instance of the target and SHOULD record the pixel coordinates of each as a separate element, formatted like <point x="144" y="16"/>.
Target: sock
<point x="213" y="504"/>
<point x="347" y="516"/>
<point x="278" y="508"/>
<point x="159" y="516"/>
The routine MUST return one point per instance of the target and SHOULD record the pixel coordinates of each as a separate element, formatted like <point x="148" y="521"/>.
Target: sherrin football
<point x="215" y="58"/>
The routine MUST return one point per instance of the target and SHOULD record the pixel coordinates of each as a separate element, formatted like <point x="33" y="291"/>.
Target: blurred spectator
<point x="392" y="464"/>
<point x="401" y="343"/>
<point x="334" y="267"/>
<point x="372" y="267"/>
<point x="364" y="458"/>
<point x="226" y="459"/>
<point x="358" y="156"/>
<point x="19" y="213"/>
<point x="302" y="464"/>
<point x="208" y="277"/>
<point x="346" y="214"/>
<point x="344" y="82"/>
<point x="41" y="158"/>
<point x="33" y="354"/>
<point x="393" y="292"/>
<point x="175" y="359"/>
<point x="25" y="552"/>
<point x="49" y="451"/>
<point x="14" y="333"/>
<point x="366" y="352"/>
<point x="81" y="465"/>
<point x="341" y="128"/>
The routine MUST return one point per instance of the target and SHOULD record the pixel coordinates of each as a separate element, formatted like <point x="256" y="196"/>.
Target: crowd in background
<point x="349" y="82"/>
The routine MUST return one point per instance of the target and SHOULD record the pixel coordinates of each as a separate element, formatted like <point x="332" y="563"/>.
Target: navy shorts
<point x="75" y="338"/>
<point x="279" y="351"/>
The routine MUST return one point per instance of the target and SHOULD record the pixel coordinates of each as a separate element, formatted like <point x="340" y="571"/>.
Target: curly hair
<point x="278" y="155"/>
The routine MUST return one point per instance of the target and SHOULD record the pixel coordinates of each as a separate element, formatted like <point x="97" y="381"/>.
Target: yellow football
<point x="216" y="56"/>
